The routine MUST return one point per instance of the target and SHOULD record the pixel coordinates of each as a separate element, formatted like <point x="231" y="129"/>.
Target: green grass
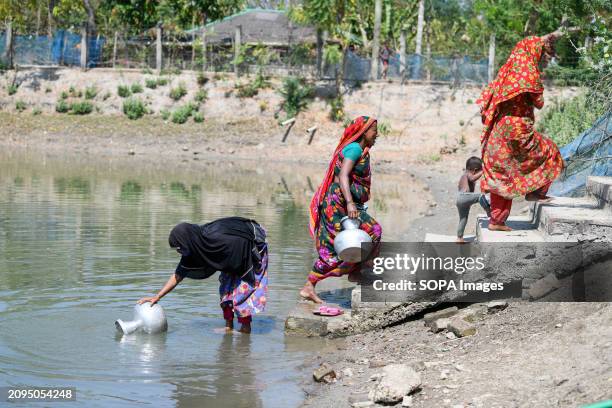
<point x="198" y="117"/>
<point x="151" y="83"/>
<point x="183" y="113"/>
<point x="91" y="92"/>
<point x="134" y="108"/>
<point x="165" y="114"/>
<point x="20" y="106"/>
<point x="200" y="96"/>
<point x="62" y="106"/>
<point x="202" y="79"/>
<point x="81" y="107"/>
<point x="12" y="89"/>
<point x="124" y="91"/>
<point x="36" y="111"/>
<point x="136" y="88"/>
<point x="162" y="81"/>
<point x="178" y="92"/>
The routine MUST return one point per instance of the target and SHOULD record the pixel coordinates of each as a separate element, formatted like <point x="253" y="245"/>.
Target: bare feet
<point x="460" y="240"/>
<point x="245" y="328"/>
<point x="495" y="227"/>
<point x="538" y="198"/>
<point x="229" y="325"/>
<point x="308" y="293"/>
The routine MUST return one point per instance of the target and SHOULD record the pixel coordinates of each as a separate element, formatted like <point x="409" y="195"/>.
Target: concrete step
<point x="600" y="189"/>
<point x="572" y="217"/>
<point x="524" y="229"/>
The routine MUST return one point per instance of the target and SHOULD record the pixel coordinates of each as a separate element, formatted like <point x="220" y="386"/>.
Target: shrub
<point x="81" y="107"/>
<point x="202" y="79"/>
<point x="75" y="93"/>
<point x="336" y="112"/>
<point x="147" y="71"/>
<point x="383" y="128"/>
<point x="183" y="113"/>
<point x="178" y="92"/>
<point x="162" y="81"/>
<point x="296" y="95"/>
<point x="246" y="90"/>
<point x="64" y="95"/>
<point x="20" y="106"/>
<point x="90" y="92"/>
<point x="198" y="117"/>
<point x="124" y="91"/>
<point x="201" y="95"/>
<point x="263" y="105"/>
<point x="36" y="111"/>
<point x="165" y="114"/>
<point x="134" y="108"/>
<point x="470" y="101"/>
<point x="12" y="89"/>
<point x="136" y="88"/>
<point x="106" y="96"/>
<point x="62" y="106"/>
<point x="150" y="83"/>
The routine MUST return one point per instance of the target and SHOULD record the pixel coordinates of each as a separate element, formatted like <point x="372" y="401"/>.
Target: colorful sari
<point x="328" y="206"/>
<point x="517" y="160"/>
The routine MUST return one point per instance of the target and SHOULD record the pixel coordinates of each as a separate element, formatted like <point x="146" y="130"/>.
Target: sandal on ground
<point x="328" y="311"/>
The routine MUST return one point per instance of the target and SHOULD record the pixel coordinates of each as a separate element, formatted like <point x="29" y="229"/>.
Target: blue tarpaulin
<point x="587" y="155"/>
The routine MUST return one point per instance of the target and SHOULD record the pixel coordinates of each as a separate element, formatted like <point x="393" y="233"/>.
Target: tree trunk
<point x="158" y="49"/>
<point x="84" y="34"/>
<point x="319" y="52"/>
<point x="387" y="20"/>
<point x="491" y="67"/>
<point x="420" y="25"/>
<point x="50" y="21"/>
<point x="428" y="53"/>
<point x="376" y="40"/>
<point x="237" y="46"/>
<point x="37" y="17"/>
<point x="91" y="17"/>
<point x="8" y="51"/>
<point x="402" y="53"/>
<point x="193" y="38"/>
<point x="115" y="49"/>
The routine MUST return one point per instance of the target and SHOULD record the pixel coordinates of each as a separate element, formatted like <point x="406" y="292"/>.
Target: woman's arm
<point x="345" y="187"/>
<point x="475" y="176"/>
<point x="174" y="280"/>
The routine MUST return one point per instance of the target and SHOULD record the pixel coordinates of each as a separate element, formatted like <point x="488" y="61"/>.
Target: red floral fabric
<point x="516" y="159"/>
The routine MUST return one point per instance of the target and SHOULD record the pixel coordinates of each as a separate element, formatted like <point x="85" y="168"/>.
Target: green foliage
<point x="64" y="95"/>
<point x="91" y="92"/>
<point x="36" y="111"/>
<point x="81" y="107"/>
<point x="124" y="91"/>
<point x="136" y="88"/>
<point x="383" y="128"/>
<point x="198" y="117"/>
<point x="12" y="89"/>
<point x="106" y="96"/>
<point x="202" y="79"/>
<point x="62" y="106"/>
<point x="246" y="90"/>
<point x="200" y="96"/>
<point x="566" y="119"/>
<point x="332" y="54"/>
<point x="183" y="113"/>
<point x="296" y="94"/>
<point x="178" y="92"/>
<point x="151" y="83"/>
<point x="134" y="108"/>
<point x="20" y="106"/>
<point x="336" y="109"/>
<point x="165" y="114"/>
<point x="161" y="81"/>
<point x="75" y="93"/>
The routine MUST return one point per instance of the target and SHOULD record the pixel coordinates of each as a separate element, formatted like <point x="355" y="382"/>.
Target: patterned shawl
<point x="351" y="134"/>
<point x="519" y="75"/>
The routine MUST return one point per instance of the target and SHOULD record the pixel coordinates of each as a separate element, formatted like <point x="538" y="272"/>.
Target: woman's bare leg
<point x="308" y="292"/>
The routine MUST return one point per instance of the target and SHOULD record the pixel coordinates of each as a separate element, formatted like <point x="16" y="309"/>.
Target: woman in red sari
<point x="517" y="160"/>
<point x="343" y="192"/>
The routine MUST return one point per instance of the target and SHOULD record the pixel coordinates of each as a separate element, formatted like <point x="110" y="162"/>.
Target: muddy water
<point x="82" y="240"/>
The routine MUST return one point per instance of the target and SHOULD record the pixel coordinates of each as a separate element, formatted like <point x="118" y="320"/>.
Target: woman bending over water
<point x="234" y="246"/>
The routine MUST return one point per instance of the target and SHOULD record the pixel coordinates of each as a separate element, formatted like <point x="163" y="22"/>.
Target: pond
<point x="81" y="240"/>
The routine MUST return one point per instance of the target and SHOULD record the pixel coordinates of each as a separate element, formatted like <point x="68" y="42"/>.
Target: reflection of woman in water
<point x="234" y="246"/>
<point x="518" y="161"/>
<point x="345" y="188"/>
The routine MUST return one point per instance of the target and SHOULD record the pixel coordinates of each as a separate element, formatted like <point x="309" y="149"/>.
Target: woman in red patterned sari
<point x="517" y="160"/>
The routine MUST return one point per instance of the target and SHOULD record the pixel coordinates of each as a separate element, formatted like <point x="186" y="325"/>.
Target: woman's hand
<point x="352" y="210"/>
<point x="153" y="300"/>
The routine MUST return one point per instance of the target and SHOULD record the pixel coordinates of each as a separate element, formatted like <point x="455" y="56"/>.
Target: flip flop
<point x="328" y="311"/>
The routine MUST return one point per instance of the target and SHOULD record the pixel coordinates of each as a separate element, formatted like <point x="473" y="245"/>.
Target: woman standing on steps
<point x="344" y="190"/>
<point x="517" y="160"/>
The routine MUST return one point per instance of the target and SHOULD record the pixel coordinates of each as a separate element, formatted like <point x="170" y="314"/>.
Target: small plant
<point x="183" y="113"/>
<point x="62" y="106"/>
<point x="81" y="107"/>
<point x="178" y="92"/>
<point x="165" y="114"/>
<point x="263" y="106"/>
<point x="246" y="90"/>
<point x="296" y="95"/>
<point x="124" y="91"/>
<point x="200" y="96"/>
<point x="91" y="92"/>
<point x="151" y="83"/>
<point x="75" y="93"/>
<point x="134" y="108"/>
<point x="147" y="71"/>
<point x="48" y="89"/>
<point x="202" y="79"/>
<point x="161" y="81"/>
<point x="336" y="112"/>
<point x="384" y="128"/>
<point x="64" y="95"/>
<point x="198" y="117"/>
<point x="12" y="89"/>
<point x="470" y="101"/>
<point x="136" y="88"/>
<point x="20" y="106"/>
<point x="36" y="111"/>
<point x="106" y="96"/>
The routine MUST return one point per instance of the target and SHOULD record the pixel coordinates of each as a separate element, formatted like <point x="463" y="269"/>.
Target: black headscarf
<point x="228" y="245"/>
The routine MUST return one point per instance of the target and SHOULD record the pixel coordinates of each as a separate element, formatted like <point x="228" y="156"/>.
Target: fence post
<point x="8" y="51"/>
<point x="319" y="51"/>
<point x="115" y="49"/>
<point x="402" y="52"/>
<point x="84" y="47"/>
<point x="158" y="49"/>
<point x="416" y="73"/>
<point x="491" y="67"/>
<point x="376" y="40"/>
<point x="237" y="46"/>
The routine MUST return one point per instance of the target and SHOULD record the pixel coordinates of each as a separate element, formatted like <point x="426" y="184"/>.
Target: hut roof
<point x="269" y="27"/>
